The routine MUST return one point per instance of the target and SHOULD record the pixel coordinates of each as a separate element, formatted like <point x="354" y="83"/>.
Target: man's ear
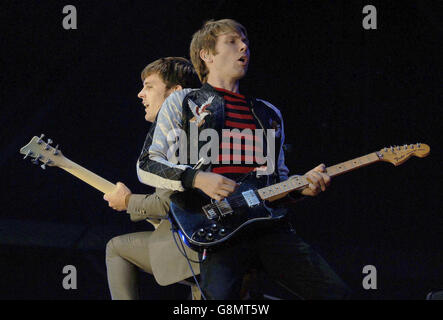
<point x="205" y="55"/>
<point x="177" y="88"/>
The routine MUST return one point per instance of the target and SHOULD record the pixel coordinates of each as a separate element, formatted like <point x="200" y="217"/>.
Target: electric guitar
<point x="44" y="154"/>
<point x="204" y="222"/>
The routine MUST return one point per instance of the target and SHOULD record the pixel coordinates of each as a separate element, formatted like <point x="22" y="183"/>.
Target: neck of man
<point x="227" y="84"/>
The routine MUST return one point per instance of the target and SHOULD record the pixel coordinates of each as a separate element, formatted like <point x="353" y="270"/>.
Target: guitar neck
<point x="353" y="164"/>
<point x="279" y="190"/>
<point x="43" y="152"/>
<point x="87" y="176"/>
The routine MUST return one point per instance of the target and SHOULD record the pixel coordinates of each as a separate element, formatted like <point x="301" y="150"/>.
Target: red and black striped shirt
<point x="238" y="145"/>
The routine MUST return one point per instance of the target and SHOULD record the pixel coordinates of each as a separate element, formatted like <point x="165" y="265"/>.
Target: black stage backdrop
<point x="344" y="92"/>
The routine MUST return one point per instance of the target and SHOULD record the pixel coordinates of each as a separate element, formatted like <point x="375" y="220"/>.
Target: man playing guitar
<point x="220" y="54"/>
<point x="154" y="252"/>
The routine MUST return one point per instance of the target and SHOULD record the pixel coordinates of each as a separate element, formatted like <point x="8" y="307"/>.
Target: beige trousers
<point x="124" y="254"/>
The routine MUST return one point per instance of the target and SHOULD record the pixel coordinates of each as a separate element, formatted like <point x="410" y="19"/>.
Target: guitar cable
<point x="182" y="250"/>
<point x="174" y="230"/>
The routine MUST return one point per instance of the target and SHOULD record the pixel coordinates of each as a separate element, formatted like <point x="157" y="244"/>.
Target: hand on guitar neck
<point x="318" y="179"/>
<point x="117" y="198"/>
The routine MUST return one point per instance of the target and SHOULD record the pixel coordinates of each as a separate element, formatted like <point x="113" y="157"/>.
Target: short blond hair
<point x="206" y="38"/>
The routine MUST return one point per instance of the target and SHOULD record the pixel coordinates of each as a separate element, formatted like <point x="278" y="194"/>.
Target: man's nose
<point x="140" y="94"/>
<point x="244" y="47"/>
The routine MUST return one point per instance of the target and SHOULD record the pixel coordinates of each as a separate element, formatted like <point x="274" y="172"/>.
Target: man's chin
<point x="149" y="118"/>
<point x="240" y="75"/>
<point x="243" y="72"/>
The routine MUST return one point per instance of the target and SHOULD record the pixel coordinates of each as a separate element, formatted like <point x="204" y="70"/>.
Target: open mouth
<point x="243" y="60"/>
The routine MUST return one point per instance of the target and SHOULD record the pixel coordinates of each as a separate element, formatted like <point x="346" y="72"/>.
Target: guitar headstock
<point x="399" y="154"/>
<point x="43" y="152"/>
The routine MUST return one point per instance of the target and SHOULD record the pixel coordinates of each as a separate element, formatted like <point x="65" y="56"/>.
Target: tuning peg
<point x="39" y="141"/>
<point x="29" y="153"/>
<point x="55" y="152"/>
<point x="48" y="144"/>
<point x="405" y="146"/>
<point x="35" y="161"/>
<point x="43" y="166"/>
<point x="418" y="144"/>
<point x="385" y="150"/>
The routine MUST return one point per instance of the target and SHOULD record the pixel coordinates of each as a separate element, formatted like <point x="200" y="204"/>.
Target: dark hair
<point x="173" y="71"/>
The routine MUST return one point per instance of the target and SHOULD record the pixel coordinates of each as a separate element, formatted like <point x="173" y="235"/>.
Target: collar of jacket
<point x="261" y="113"/>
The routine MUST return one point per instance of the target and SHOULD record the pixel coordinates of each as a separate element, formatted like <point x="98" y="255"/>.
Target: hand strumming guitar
<point x="214" y="185"/>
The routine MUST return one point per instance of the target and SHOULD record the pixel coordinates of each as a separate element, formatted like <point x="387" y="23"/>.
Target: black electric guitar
<point x="204" y="222"/>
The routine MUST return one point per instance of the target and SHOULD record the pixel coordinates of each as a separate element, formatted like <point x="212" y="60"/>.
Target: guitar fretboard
<point x="300" y="182"/>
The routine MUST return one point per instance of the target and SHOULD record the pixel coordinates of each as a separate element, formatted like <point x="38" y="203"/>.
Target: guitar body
<point x="203" y="231"/>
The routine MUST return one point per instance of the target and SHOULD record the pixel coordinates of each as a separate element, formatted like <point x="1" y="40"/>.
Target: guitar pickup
<point x="251" y="198"/>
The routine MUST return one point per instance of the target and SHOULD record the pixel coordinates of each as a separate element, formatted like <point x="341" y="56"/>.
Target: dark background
<point x="344" y="92"/>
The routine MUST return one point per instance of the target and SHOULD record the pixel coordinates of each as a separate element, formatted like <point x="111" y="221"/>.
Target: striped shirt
<point x="238" y="146"/>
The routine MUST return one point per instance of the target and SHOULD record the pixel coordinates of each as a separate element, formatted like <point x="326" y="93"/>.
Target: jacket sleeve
<point x="161" y="169"/>
<point x="283" y="170"/>
<point x="149" y="206"/>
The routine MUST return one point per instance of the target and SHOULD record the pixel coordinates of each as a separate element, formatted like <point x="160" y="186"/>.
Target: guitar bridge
<point x="214" y="210"/>
<point x="210" y="211"/>
<point x="224" y="208"/>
